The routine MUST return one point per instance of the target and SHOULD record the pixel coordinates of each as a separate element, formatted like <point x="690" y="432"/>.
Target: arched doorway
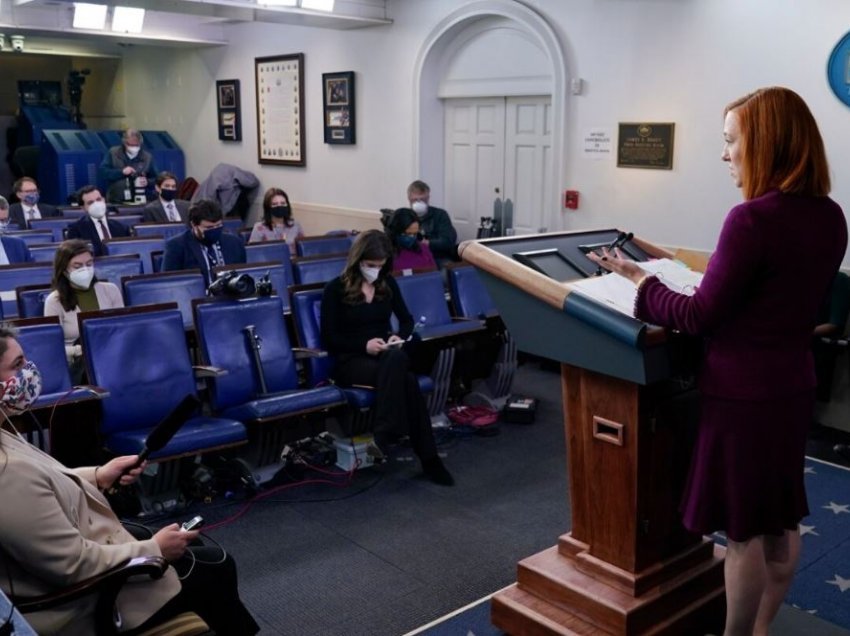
<point x="493" y="67"/>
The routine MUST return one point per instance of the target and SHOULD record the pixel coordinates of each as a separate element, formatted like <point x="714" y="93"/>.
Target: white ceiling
<point x="44" y="23"/>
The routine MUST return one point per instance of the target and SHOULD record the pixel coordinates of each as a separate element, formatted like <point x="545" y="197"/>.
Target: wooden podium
<point x="627" y="566"/>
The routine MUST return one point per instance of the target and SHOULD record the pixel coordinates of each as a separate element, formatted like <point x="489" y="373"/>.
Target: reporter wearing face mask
<point x="57" y="529"/>
<point x="94" y="227"/>
<point x="205" y="245"/>
<point x="167" y="208"/>
<point x="277" y="223"/>
<point x="30" y="206"/>
<point x="129" y="169"/>
<point x="12" y="249"/>
<point x="435" y="224"/>
<point x="410" y="251"/>
<point x="76" y="289"/>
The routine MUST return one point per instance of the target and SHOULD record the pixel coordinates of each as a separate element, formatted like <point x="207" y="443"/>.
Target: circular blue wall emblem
<point x="838" y="70"/>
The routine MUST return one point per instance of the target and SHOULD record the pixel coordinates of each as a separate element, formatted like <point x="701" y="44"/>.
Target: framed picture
<point x="338" y="102"/>
<point x="280" y="110"/>
<point x="228" y="109"/>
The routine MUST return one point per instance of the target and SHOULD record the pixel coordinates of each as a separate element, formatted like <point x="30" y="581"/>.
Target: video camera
<point x="234" y="284"/>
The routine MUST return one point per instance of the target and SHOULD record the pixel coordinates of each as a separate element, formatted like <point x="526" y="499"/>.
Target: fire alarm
<point x="571" y="199"/>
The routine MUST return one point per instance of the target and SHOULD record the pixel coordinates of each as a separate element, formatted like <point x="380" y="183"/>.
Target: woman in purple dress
<point x="776" y="256"/>
<point x="409" y="251"/>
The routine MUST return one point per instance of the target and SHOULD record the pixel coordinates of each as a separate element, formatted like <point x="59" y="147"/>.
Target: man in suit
<point x="167" y="208"/>
<point x="94" y="226"/>
<point x="29" y="208"/>
<point x="12" y="249"/>
<point x="204" y="245"/>
<point x="434" y="223"/>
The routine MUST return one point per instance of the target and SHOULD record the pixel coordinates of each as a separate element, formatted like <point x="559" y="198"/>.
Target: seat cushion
<point x="64" y="397"/>
<point x="451" y="329"/>
<point x="197" y="434"/>
<point x="286" y="403"/>
<point x="185" y="624"/>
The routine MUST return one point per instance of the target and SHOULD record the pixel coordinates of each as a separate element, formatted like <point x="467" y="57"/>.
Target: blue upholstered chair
<point x="324" y="245"/>
<point x="20" y="275"/>
<point x="56" y="225"/>
<point x="33" y="237"/>
<point x="307" y="271"/>
<point x="269" y="252"/>
<point x="75" y="213"/>
<point x="181" y="287"/>
<point x="232" y="225"/>
<point x="141" y="246"/>
<point x="425" y="297"/>
<point x="139" y="355"/>
<point x="248" y="339"/>
<point x="164" y="230"/>
<point x="31" y="300"/>
<point x="114" y="268"/>
<point x="306" y="302"/>
<point x="43" y="253"/>
<point x="277" y="272"/>
<point x="127" y="220"/>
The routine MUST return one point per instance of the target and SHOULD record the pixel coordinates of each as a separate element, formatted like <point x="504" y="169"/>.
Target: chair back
<point x="33" y="237"/>
<point x="141" y="246"/>
<point x="127" y="220"/>
<point x="54" y="224"/>
<point x="75" y="213"/>
<point x="164" y="230"/>
<point x="114" y="268"/>
<point x="180" y="287"/>
<point x="323" y="245"/>
<point x="232" y="225"/>
<point x="43" y="342"/>
<point x="223" y="342"/>
<point x="157" y="257"/>
<point x="307" y="319"/>
<point x="470" y="298"/>
<point x="20" y="275"/>
<point x="31" y="300"/>
<point x="139" y="355"/>
<point x="317" y="270"/>
<point x="425" y="296"/>
<point x="277" y="275"/>
<point x="271" y="251"/>
<point x="43" y="253"/>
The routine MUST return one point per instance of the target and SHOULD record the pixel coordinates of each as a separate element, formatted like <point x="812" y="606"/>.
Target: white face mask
<point x="97" y="210"/>
<point x="132" y="151"/>
<point x="81" y="277"/>
<point x="420" y="207"/>
<point x="370" y="273"/>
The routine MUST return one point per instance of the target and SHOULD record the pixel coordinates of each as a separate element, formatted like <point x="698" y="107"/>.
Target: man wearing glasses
<point x="29" y="208"/>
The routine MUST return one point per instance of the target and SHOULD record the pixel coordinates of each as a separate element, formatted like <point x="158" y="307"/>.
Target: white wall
<point x="641" y="60"/>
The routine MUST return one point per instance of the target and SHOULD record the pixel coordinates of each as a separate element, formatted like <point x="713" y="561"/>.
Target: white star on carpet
<point x="804" y="530"/>
<point x="808" y="470"/>
<point x="841" y="583"/>
<point x="811" y="611"/>
<point x="837" y="508"/>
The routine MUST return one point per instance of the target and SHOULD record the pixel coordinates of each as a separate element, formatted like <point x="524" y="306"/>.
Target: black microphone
<point x="622" y="239"/>
<point x="166" y="429"/>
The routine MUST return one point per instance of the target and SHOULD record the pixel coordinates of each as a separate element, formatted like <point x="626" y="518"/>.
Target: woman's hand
<point x="110" y="472"/>
<point x="375" y="346"/>
<point x="172" y="541"/>
<point x="394" y="339"/>
<point x="615" y="262"/>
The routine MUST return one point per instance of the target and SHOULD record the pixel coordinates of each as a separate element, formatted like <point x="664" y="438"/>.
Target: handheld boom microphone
<point x="166" y="429"/>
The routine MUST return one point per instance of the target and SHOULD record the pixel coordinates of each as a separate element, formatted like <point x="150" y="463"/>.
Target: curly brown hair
<point x="371" y="245"/>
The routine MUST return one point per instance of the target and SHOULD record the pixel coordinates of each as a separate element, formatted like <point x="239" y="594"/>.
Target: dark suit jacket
<point x="154" y="212"/>
<point x="16" y="250"/>
<point x="85" y="229"/>
<point x="184" y="252"/>
<point x="16" y="213"/>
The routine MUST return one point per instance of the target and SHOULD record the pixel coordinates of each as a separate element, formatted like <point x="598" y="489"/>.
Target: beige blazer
<point x="108" y="297"/>
<point x="57" y="529"/>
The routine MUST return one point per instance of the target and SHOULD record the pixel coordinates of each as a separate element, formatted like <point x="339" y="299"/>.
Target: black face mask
<point x="281" y="211"/>
<point x="168" y="195"/>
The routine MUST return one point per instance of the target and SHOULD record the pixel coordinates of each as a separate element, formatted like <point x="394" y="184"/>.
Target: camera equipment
<point x="232" y="284"/>
<point x="264" y="286"/>
<point x="76" y="79"/>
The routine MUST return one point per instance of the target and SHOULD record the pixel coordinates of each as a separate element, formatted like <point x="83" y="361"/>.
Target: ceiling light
<point x="278" y="3"/>
<point x="89" y="16"/>
<point x="318" y="5"/>
<point x="128" y="19"/>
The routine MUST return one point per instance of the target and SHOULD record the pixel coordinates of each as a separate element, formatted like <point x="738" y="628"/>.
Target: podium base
<point x="552" y="596"/>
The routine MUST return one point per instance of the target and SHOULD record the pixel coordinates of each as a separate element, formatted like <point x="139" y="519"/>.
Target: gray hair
<point x="4" y="204"/>
<point x="132" y="132"/>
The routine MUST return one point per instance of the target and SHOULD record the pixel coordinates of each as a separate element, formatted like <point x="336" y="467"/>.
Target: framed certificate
<point x="228" y="110"/>
<point x="338" y="102"/>
<point x="280" y="110"/>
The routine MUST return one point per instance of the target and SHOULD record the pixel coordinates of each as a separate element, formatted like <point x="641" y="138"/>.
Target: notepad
<point x="619" y="293"/>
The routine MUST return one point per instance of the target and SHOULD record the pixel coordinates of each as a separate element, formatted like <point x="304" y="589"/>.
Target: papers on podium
<point x="619" y="293"/>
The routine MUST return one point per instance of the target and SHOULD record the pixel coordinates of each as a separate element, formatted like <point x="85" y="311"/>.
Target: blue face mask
<point x="212" y="236"/>
<point x="407" y="241"/>
<point x="31" y="198"/>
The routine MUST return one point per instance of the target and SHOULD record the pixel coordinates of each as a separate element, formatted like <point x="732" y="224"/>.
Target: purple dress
<point x="756" y="308"/>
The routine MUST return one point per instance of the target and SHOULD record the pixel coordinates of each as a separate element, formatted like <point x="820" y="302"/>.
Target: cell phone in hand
<point x="193" y="524"/>
<point x="396" y="344"/>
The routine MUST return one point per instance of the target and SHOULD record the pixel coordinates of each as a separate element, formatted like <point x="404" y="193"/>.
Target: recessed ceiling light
<point x="318" y="5"/>
<point x="89" y="16"/>
<point x="128" y="19"/>
<point x="279" y="3"/>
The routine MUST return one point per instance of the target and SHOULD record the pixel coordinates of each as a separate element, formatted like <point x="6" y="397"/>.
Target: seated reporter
<point x="409" y="250"/>
<point x="76" y="289"/>
<point x="204" y="245"/>
<point x="12" y="249"/>
<point x="57" y="529"/>
<point x="356" y="310"/>
<point x="277" y="223"/>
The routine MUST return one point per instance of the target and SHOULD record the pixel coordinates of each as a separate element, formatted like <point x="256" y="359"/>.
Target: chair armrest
<point x="97" y="392"/>
<point x="306" y="352"/>
<point x="107" y="583"/>
<point x="207" y="371"/>
<point x="480" y="321"/>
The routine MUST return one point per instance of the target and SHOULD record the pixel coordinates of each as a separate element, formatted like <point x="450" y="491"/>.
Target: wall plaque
<point x="645" y="145"/>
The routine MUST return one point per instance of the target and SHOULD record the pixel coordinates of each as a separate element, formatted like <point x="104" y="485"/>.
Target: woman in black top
<point x="356" y="310"/>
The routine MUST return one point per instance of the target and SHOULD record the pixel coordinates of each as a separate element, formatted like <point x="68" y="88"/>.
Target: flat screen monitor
<point x="551" y="263"/>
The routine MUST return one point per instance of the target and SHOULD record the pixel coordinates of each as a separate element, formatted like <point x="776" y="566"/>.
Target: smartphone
<point x="396" y="344"/>
<point x="193" y="524"/>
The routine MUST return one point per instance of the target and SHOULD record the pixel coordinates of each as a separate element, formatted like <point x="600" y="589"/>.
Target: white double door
<point x="498" y="147"/>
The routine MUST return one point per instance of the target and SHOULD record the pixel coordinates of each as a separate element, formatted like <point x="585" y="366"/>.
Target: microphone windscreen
<point x="165" y="430"/>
